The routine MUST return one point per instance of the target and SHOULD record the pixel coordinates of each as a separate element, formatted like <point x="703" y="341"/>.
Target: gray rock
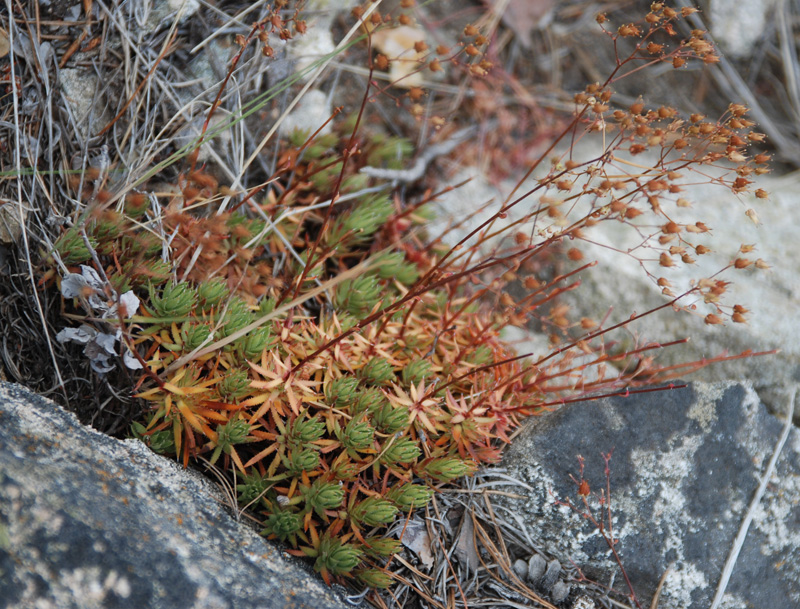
<point x="685" y="466"/>
<point x="82" y="94"/>
<point x="90" y="521"/>
<point x="520" y="568"/>
<point x="560" y="592"/>
<point x="739" y="26"/>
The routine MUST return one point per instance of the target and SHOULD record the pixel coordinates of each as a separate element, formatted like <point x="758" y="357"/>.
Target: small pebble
<point x="536" y="567"/>
<point x="551" y="575"/>
<point x="560" y="592"/>
<point x="583" y="602"/>
<point x="520" y="567"/>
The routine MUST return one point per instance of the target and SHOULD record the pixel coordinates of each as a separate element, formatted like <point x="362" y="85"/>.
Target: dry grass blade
<point x="19" y="202"/>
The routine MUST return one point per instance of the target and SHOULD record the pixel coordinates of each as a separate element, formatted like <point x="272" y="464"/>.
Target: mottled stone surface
<point x="90" y="521"/>
<point x="685" y="466"/>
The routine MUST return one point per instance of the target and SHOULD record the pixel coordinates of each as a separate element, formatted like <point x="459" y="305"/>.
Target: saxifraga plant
<point x="342" y="364"/>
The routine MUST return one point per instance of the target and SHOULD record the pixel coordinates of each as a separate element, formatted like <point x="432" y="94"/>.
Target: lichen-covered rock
<point x="90" y="521"/>
<point x="685" y="466"/>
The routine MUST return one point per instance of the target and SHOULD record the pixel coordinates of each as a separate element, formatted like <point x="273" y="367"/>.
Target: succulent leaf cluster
<point x="329" y="446"/>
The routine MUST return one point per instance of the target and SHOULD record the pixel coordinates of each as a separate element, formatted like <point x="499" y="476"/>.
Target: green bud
<point x="305" y="431"/>
<point x="142" y="243"/>
<point x="329" y="140"/>
<point x="481" y="356"/>
<point x="315" y="151"/>
<point x="162" y="442"/>
<point x="390" y="419"/>
<point x="194" y="334"/>
<point x="266" y="306"/>
<point x="416" y="371"/>
<point x="233" y="432"/>
<point x="343" y="468"/>
<point x="298" y="461"/>
<point x="358" y="296"/>
<point x="389" y="151"/>
<point x="394" y="266"/>
<point x="374" y="511"/>
<point x="253" y="344"/>
<point x="298" y="137"/>
<point x="321" y="496"/>
<point x="106" y="229"/>
<point x="377" y="371"/>
<point x="72" y="248"/>
<point x="176" y="300"/>
<point x="252" y="487"/>
<point x="152" y="272"/>
<point x="381" y="547"/>
<point x="324" y="179"/>
<point x="342" y="391"/>
<point x="211" y="293"/>
<point x="361" y="223"/>
<point x="237" y="316"/>
<point x="446" y="469"/>
<point x="234" y="384"/>
<point x="357" y="435"/>
<point x="355" y="182"/>
<point x="407" y="495"/>
<point x="346" y="320"/>
<point x="336" y="557"/>
<point x="374" y="578"/>
<point x="402" y="450"/>
<point x="370" y="400"/>
<point x="284" y="525"/>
